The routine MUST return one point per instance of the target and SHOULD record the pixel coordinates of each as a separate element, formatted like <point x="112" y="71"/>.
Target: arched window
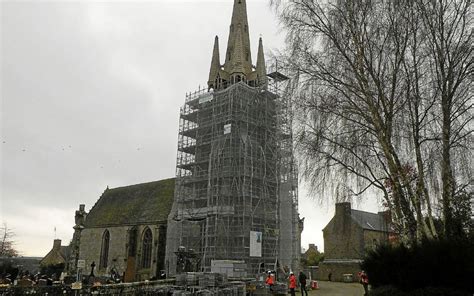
<point x="104" y="251"/>
<point x="147" y="244"/>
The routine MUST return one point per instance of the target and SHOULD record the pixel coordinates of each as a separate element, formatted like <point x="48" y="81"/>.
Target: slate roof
<point x="145" y="203"/>
<point x="369" y="221"/>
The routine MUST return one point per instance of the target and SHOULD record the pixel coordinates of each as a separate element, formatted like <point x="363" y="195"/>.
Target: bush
<point x="431" y="263"/>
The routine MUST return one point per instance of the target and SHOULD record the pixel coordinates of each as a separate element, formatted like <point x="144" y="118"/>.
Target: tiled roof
<point x="135" y="204"/>
<point x="369" y="221"/>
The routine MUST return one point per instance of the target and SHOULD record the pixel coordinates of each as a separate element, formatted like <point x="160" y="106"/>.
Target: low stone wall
<point x="335" y="270"/>
<point x="160" y="288"/>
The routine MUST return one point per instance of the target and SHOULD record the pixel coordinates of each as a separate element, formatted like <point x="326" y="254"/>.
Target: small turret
<point x="260" y="68"/>
<point x="215" y="65"/>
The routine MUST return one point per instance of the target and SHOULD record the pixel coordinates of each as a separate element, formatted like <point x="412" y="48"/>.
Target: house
<point x="56" y="260"/>
<point x="347" y="237"/>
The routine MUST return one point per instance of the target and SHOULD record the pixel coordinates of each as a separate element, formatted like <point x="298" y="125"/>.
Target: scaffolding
<point x="290" y="229"/>
<point x="234" y="171"/>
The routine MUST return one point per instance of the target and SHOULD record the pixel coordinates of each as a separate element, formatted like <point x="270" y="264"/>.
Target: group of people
<point x="301" y="280"/>
<point x="270" y="281"/>
<point x="292" y="282"/>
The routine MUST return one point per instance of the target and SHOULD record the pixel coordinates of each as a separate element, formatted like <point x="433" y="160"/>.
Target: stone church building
<point x="347" y="237"/>
<point x="236" y="193"/>
<point x="125" y="231"/>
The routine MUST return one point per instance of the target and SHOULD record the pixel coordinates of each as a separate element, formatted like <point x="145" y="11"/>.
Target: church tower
<point x="231" y="171"/>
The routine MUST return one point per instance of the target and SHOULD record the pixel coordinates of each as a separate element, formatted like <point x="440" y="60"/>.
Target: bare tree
<point x="449" y="29"/>
<point x="371" y="101"/>
<point x="7" y="242"/>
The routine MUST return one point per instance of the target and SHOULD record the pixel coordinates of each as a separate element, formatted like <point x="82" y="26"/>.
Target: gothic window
<point x="147" y="243"/>
<point x="229" y="55"/>
<point x="104" y="251"/>
<point x="247" y="56"/>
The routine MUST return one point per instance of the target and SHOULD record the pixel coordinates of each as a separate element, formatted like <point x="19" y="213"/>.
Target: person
<point x="292" y="285"/>
<point x="269" y="281"/>
<point x="364" y="280"/>
<point x="302" y="280"/>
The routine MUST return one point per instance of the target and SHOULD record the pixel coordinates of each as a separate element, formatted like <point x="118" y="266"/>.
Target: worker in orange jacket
<point x="292" y="285"/>
<point x="269" y="281"/>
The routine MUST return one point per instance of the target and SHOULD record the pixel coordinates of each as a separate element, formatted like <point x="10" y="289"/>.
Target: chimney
<point x="57" y="244"/>
<point x="386" y="217"/>
<point x="343" y="209"/>
<point x="82" y="208"/>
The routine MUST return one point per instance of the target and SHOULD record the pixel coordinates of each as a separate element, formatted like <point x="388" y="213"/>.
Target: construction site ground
<point x="336" y="289"/>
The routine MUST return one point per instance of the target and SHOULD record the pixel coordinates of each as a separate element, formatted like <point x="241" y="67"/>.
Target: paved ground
<point x="336" y="289"/>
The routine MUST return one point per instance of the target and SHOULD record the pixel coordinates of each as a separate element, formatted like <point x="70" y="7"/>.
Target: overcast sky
<point x="90" y="96"/>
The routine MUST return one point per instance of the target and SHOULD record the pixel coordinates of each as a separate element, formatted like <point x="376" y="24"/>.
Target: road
<point x="336" y="289"/>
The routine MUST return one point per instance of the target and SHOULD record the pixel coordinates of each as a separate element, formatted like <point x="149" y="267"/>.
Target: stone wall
<point x="337" y="270"/>
<point x="374" y="238"/>
<point x="91" y="243"/>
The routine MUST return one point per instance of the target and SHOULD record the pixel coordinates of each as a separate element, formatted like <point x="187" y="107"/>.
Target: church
<point x="235" y="195"/>
<point x="124" y="232"/>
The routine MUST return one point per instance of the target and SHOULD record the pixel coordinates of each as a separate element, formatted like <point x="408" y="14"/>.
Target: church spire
<point x="260" y="67"/>
<point x="238" y="60"/>
<point x="238" y="45"/>
<point x="215" y="65"/>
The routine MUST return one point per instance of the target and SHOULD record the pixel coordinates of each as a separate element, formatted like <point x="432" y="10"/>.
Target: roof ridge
<point x="377" y="214"/>
<point x="140" y="184"/>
